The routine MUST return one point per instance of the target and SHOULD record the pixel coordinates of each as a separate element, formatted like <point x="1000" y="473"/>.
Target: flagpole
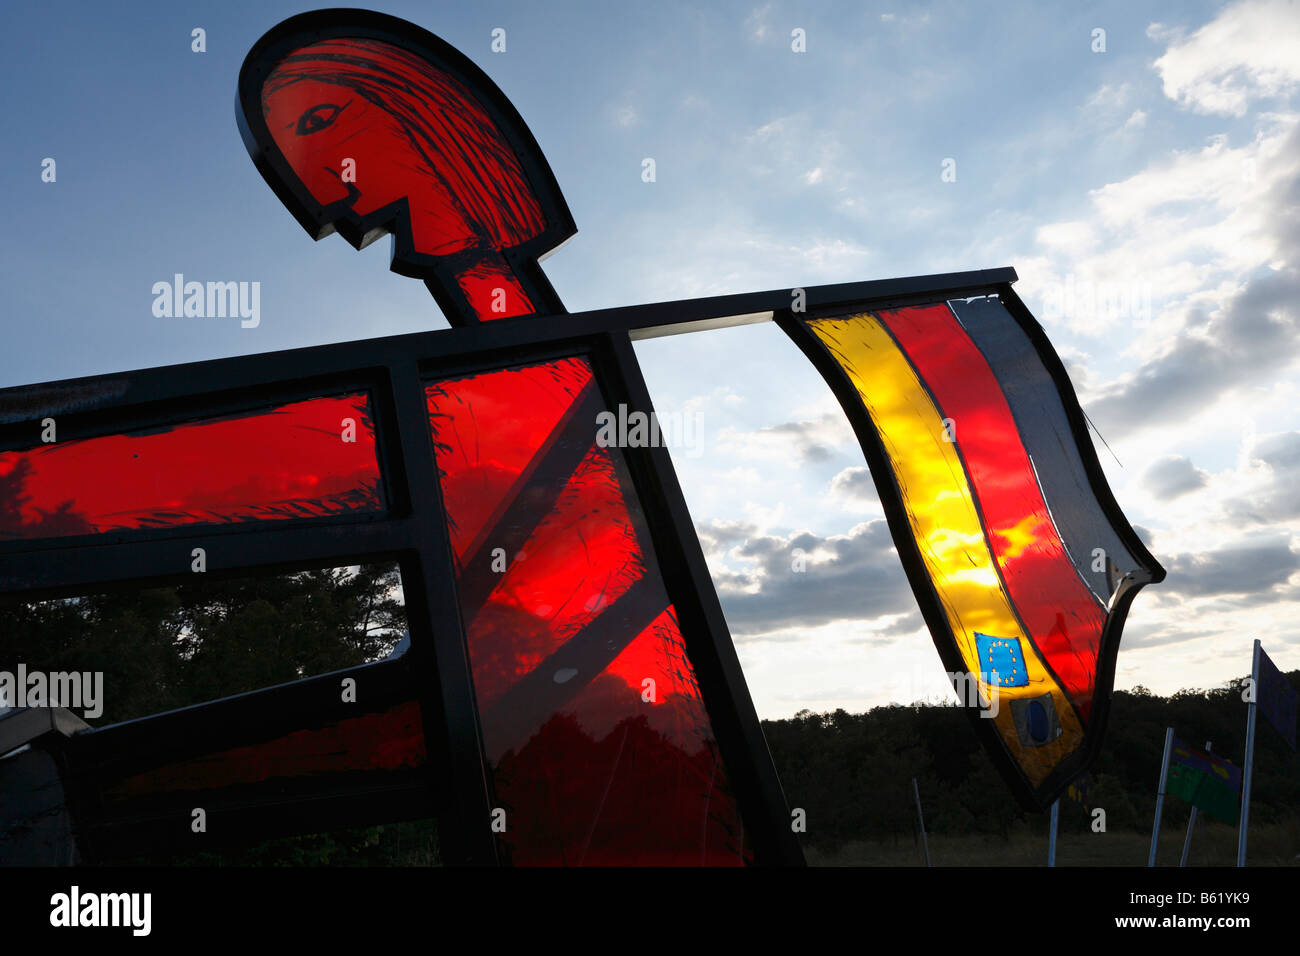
<point x="1160" y="794"/>
<point x="925" y="844"/>
<point x="1250" y="756"/>
<point x="1051" y="837"/>
<point x="1191" y="825"/>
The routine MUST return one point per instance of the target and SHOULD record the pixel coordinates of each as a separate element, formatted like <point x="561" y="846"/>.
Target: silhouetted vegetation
<point x="164" y="648"/>
<point x="852" y="772"/>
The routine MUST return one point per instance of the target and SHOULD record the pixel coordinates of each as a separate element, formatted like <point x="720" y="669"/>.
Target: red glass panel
<point x="391" y="740"/>
<point x="300" y="460"/>
<point x="581" y="559"/>
<point x="601" y="748"/>
<point x="494" y="292"/>
<point x="650" y="790"/>
<point x="488" y="429"/>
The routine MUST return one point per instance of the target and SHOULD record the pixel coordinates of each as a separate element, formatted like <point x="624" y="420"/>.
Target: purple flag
<point x="1276" y="698"/>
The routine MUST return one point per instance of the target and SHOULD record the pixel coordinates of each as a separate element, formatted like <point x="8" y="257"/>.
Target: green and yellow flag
<point x="1208" y="782"/>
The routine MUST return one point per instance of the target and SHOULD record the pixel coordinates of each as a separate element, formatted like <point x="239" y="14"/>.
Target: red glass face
<point x="601" y="748"/>
<point x="370" y="123"/>
<point x="306" y="459"/>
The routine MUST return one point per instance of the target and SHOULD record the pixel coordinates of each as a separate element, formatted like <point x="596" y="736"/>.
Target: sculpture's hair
<point x="460" y="146"/>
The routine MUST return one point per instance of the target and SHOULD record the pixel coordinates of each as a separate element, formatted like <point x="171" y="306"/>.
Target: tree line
<point x="168" y="647"/>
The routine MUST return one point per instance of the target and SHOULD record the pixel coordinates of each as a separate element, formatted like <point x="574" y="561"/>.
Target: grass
<point x="1213" y="844"/>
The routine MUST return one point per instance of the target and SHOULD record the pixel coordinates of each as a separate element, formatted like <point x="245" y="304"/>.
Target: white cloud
<point x="757" y="22"/>
<point x="1250" y="50"/>
<point x="1137" y="120"/>
<point x="771" y="582"/>
<point x="703" y="403"/>
<point x="1174" y="475"/>
<point x="1194" y="223"/>
<point x="918" y="20"/>
<point x="795" y="148"/>
<point x="810" y="440"/>
<point x="1110" y="96"/>
<point x="855" y="486"/>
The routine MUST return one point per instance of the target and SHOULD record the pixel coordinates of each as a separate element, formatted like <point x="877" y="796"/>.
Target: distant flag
<point x="1206" y="781"/>
<point x="1276" y="698"/>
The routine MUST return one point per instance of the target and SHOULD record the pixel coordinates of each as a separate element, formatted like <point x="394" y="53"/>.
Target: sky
<point x="1137" y="163"/>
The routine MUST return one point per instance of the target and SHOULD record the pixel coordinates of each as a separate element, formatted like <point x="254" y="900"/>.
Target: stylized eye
<point x="317" y="118"/>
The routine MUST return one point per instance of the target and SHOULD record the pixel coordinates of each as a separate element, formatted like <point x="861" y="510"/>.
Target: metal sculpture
<point x="570" y="694"/>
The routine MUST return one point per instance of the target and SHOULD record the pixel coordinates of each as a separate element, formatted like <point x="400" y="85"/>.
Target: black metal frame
<point x="1033" y="798"/>
<point x="395" y="370"/>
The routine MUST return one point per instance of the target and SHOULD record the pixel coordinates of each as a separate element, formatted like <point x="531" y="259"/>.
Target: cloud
<point x="723" y="535"/>
<point x="1110" y="96"/>
<point x="795" y="148"/>
<point x="1189" y="227"/>
<point x="855" y="484"/>
<point x="1160" y="635"/>
<point x="814" y="440"/>
<point x="1253" y="568"/>
<point x="756" y="24"/>
<point x="1275" y="496"/>
<point x="1195" y="258"/>
<point x="1256" y="332"/>
<point x="1279" y="451"/>
<point x="1250" y="50"/>
<point x="1236" y="287"/>
<point x="1172" y="476"/>
<point x="855" y="576"/>
<point x="918" y="20"/>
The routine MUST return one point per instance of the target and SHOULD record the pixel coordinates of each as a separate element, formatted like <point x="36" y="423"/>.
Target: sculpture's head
<point x="371" y="127"/>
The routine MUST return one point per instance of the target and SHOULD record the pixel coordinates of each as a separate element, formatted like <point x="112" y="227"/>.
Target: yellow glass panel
<point x="937" y="498"/>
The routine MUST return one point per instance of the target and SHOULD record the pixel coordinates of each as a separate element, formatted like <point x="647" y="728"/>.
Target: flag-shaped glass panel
<point x="1015" y="549"/>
